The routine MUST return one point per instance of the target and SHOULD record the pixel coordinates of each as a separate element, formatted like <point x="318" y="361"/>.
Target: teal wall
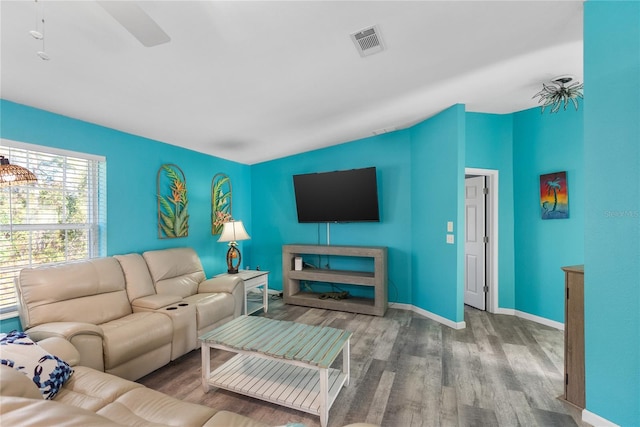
<point x="437" y="196"/>
<point x="132" y="165"/>
<point x="489" y="145"/>
<point x="420" y="185"/>
<point x="275" y="220"/>
<point x="545" y="143"/>
<point x="420" y="177"/>
<point x="612" y="206"/>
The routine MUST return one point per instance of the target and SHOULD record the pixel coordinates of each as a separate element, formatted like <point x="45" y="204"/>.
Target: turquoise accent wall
<point x="10" y="324"/>
<point x="437" y="196"/>
<point x="545" y="143"/>
<point x="489" y="145"/>
<point x="275" y="220"/>
<point x="132" y="165"/>
<point x="612" y="206"/>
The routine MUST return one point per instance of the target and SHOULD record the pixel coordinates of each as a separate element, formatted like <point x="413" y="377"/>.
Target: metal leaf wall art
<point x="173" y="216"/>
<point x="220" y="202"/>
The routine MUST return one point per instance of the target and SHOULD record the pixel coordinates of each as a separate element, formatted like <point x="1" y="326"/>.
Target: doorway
<point x="481" y="239"/>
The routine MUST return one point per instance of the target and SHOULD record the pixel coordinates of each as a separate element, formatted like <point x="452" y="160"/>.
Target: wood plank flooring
<point x="407" y="370"/>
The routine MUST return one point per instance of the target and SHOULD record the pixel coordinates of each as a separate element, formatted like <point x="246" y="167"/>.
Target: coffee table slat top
<point x="315" y="345"/>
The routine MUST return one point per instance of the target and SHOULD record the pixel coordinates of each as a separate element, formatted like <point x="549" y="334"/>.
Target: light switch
<point x="450" y="239"/>
<point x="449" y="226"/>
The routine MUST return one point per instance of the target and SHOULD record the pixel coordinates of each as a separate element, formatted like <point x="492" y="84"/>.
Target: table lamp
<point x="233" y="231"/>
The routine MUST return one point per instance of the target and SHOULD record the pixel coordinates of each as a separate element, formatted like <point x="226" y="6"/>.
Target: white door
<point x="474" y="245"/>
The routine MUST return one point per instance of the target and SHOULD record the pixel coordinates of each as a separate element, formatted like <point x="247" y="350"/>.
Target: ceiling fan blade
<point x="136" y="21"/>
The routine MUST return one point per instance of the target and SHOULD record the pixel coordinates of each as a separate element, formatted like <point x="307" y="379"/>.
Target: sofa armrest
<point x="61" y="348"/>
<point x="226" y="284"/>
<point x="233" y="285"/>
<point x="85" y="337"/>
<point x="66" y="330"/>
<point x="154" y="302"/>
<point x="16" y="383"/>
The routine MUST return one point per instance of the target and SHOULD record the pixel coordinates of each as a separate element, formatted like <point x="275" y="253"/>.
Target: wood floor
<point x="407" y="370"/>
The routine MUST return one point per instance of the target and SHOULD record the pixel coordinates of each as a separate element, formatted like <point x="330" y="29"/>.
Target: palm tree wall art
<point x="554" y="196"/>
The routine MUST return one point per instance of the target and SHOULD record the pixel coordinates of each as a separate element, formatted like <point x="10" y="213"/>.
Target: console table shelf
<point x="334" y="276"/>
<point x="377" y="279"/>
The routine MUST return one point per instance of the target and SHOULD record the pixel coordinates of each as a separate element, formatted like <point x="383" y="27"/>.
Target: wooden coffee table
<point x="281" y="362"/>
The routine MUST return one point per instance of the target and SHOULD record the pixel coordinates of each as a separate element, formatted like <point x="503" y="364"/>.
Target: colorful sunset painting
<point x="554" y="196"/>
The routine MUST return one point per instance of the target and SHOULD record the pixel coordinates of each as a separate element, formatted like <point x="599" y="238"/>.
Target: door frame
<point x="491" y="220"/>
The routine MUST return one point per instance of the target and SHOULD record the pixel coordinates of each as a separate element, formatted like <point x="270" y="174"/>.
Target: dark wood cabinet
<point x="574" y="335"/>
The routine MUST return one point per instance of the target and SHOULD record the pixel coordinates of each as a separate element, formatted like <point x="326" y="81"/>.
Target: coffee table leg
<point x="324" y="397"/>
<point x="265" y="297"/>
<point x="206" y="366"/>
<point x="346" y="367"/>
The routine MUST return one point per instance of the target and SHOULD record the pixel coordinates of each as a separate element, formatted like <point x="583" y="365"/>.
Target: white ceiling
<point x="254" y="81"/>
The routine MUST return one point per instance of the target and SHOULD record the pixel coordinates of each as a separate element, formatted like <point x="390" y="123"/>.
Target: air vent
<point x="368" y="41"/>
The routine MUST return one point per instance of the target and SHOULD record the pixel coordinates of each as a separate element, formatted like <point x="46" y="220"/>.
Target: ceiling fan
<point x="136" y="21"/>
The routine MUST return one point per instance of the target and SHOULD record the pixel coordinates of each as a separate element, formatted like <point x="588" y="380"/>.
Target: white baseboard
<point x="428" y="314"/>
<point x="596" y="420"/>
<point x="462" y="325"/>
<point x="541" y="320"/>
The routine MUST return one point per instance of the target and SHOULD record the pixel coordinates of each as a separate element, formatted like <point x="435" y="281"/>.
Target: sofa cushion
<point x="48" y="372"/>
<point x="211" y="308"/>
<point x="146" y="406"/>
<point x="91" y="291"/>
<point x="92" y="390"/>
<point x="137" y="277"/>
<point x="24" y="412"/>
<point x="175" y="271"/>
<point x="134" y="335"/>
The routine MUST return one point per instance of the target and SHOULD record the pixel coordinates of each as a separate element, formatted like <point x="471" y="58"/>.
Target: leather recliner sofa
<point x="127" y="315"/>
<point x="93" y="398"/>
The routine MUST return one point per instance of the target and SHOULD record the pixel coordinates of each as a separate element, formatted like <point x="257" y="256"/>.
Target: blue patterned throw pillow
<point x="47" y="371"/>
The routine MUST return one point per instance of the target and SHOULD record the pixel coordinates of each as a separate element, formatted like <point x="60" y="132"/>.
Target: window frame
<point x="96" y="212"/>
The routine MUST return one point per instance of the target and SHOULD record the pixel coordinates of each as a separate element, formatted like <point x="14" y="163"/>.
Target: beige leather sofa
<point x="130" y="314"/>
<point x="216" y="300"/>
<point x="93" y="398"/>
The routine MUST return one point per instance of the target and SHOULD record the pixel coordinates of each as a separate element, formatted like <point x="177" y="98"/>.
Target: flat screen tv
<point x="341" y="196"/>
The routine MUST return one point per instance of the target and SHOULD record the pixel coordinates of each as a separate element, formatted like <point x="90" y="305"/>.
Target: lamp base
<point x="233" y="254"/>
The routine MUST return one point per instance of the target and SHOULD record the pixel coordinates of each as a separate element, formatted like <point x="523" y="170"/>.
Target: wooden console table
<point x="281" y="362"/>
<point x="377" y="278"/>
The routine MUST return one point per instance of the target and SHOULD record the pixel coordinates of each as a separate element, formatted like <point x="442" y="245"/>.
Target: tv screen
<point x="341" y="196"/>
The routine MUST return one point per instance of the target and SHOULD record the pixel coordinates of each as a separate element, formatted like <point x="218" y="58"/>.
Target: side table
<point x="253" y="279"/>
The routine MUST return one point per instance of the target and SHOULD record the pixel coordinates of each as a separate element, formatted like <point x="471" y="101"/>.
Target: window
<point x="60" y="218"/>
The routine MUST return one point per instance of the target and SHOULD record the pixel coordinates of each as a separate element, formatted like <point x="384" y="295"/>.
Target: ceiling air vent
<point x="368" y="41"/>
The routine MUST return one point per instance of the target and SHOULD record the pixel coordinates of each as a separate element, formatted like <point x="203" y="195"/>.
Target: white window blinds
<point x="62" y="217"/>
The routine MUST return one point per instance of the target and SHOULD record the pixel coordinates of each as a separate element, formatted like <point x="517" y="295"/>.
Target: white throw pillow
<point x="47" y="371"/>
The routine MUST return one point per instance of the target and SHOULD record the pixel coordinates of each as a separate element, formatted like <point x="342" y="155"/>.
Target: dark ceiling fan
<point x="136" y="21"/>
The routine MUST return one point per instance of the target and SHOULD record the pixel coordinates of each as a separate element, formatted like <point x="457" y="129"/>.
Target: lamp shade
<point x="233" y="231"/>
<point x="14" y="174"/>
